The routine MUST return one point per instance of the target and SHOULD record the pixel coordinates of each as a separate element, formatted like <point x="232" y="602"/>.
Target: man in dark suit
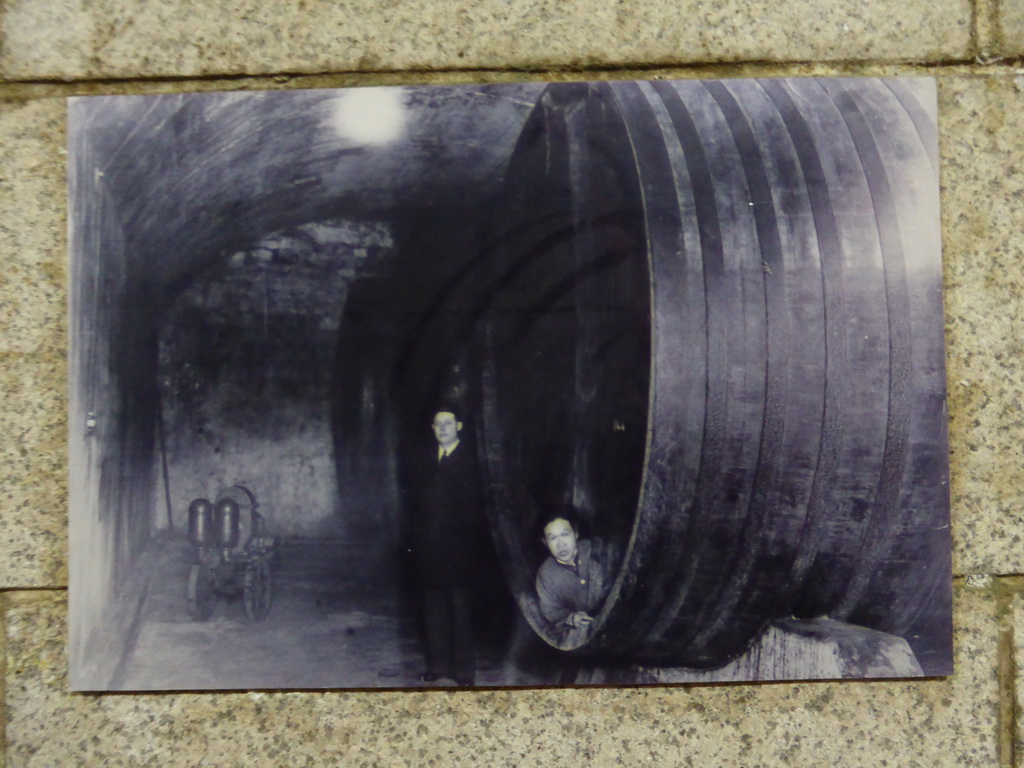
<point x="448" y="533"/>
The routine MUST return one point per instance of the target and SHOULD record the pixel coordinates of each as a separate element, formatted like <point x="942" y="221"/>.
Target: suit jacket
<point x="448" y="523"/>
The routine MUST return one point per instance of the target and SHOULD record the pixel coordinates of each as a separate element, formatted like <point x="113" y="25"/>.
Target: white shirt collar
<point x="451" y="449"/>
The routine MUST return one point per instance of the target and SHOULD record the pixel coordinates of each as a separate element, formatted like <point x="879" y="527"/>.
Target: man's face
<point x="446" y="429"/>
<point x="561" y="540"/>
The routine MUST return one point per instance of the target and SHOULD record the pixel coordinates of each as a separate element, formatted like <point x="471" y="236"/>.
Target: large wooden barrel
<point x="713" y="325"/>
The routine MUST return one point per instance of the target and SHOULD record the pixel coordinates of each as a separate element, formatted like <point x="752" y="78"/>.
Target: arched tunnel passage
<point x="701" y="314"/>
<point x="223" y="242"/>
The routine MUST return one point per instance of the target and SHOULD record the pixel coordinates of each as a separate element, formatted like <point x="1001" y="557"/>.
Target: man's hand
<point x="580" y="619"/>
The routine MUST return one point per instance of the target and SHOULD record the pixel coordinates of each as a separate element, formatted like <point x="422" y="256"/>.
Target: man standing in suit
<point x="448" y="540"/>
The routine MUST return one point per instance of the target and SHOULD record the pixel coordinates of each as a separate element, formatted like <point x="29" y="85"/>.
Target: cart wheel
<point x="257" y="591"/>
<point x="201" y="597"/>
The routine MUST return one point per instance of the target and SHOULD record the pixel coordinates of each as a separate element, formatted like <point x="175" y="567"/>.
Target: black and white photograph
<point x="521" y="384"/>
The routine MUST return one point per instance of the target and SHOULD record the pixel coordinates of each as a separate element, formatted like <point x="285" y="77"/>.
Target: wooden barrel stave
<point x="676" y="561"/>
<point x="555" y="324"/>
<point x="678" y="370"/>
<point x="751" y="592"/>
<point x="879" y="349"/>
<point x="855" y="357"/>
<point x="794" y="386"/>
<point x="893" y="571"/>
<point x="737" y="363"/>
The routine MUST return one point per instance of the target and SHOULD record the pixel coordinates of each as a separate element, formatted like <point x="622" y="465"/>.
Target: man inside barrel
<point x="448" y="542"/>
<point x="571" y="583"/>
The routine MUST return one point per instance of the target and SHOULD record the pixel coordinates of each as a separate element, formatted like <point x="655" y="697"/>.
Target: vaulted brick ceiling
<point x="196" y="177"/>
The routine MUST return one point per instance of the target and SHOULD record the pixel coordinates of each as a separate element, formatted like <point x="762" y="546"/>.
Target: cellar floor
<point x="338" y="619"/>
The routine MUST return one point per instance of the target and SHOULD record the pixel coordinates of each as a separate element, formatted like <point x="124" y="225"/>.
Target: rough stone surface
<point x="982" y="156"/>
<point x="70" y="39"/>
<point x="916" y="723"/>
<point x="33" y="368"/>
<point x="1009" y="28"/>
<point x="922" y="723"/>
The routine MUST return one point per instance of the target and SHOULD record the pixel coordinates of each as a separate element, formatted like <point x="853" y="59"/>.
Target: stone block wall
<point x="51" y="49"/>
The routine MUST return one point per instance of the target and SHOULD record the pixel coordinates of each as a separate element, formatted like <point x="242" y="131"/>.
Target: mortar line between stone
<point x="625" y="67"/>
<point x="34" y="89"/>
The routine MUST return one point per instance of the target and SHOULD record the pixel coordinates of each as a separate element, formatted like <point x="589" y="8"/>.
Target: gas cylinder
<point x="227" y="523"/>
<point x="200" y="523"/>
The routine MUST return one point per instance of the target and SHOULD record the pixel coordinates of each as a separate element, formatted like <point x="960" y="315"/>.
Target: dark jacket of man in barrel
<point x="571" y="584"/>
<point x="448" y="539"/>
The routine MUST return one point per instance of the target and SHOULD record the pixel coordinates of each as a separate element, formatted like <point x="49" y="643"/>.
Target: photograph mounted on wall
<point x="589" y="383"/>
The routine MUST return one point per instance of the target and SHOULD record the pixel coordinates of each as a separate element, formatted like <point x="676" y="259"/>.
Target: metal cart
<point x="229" y="564"/>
